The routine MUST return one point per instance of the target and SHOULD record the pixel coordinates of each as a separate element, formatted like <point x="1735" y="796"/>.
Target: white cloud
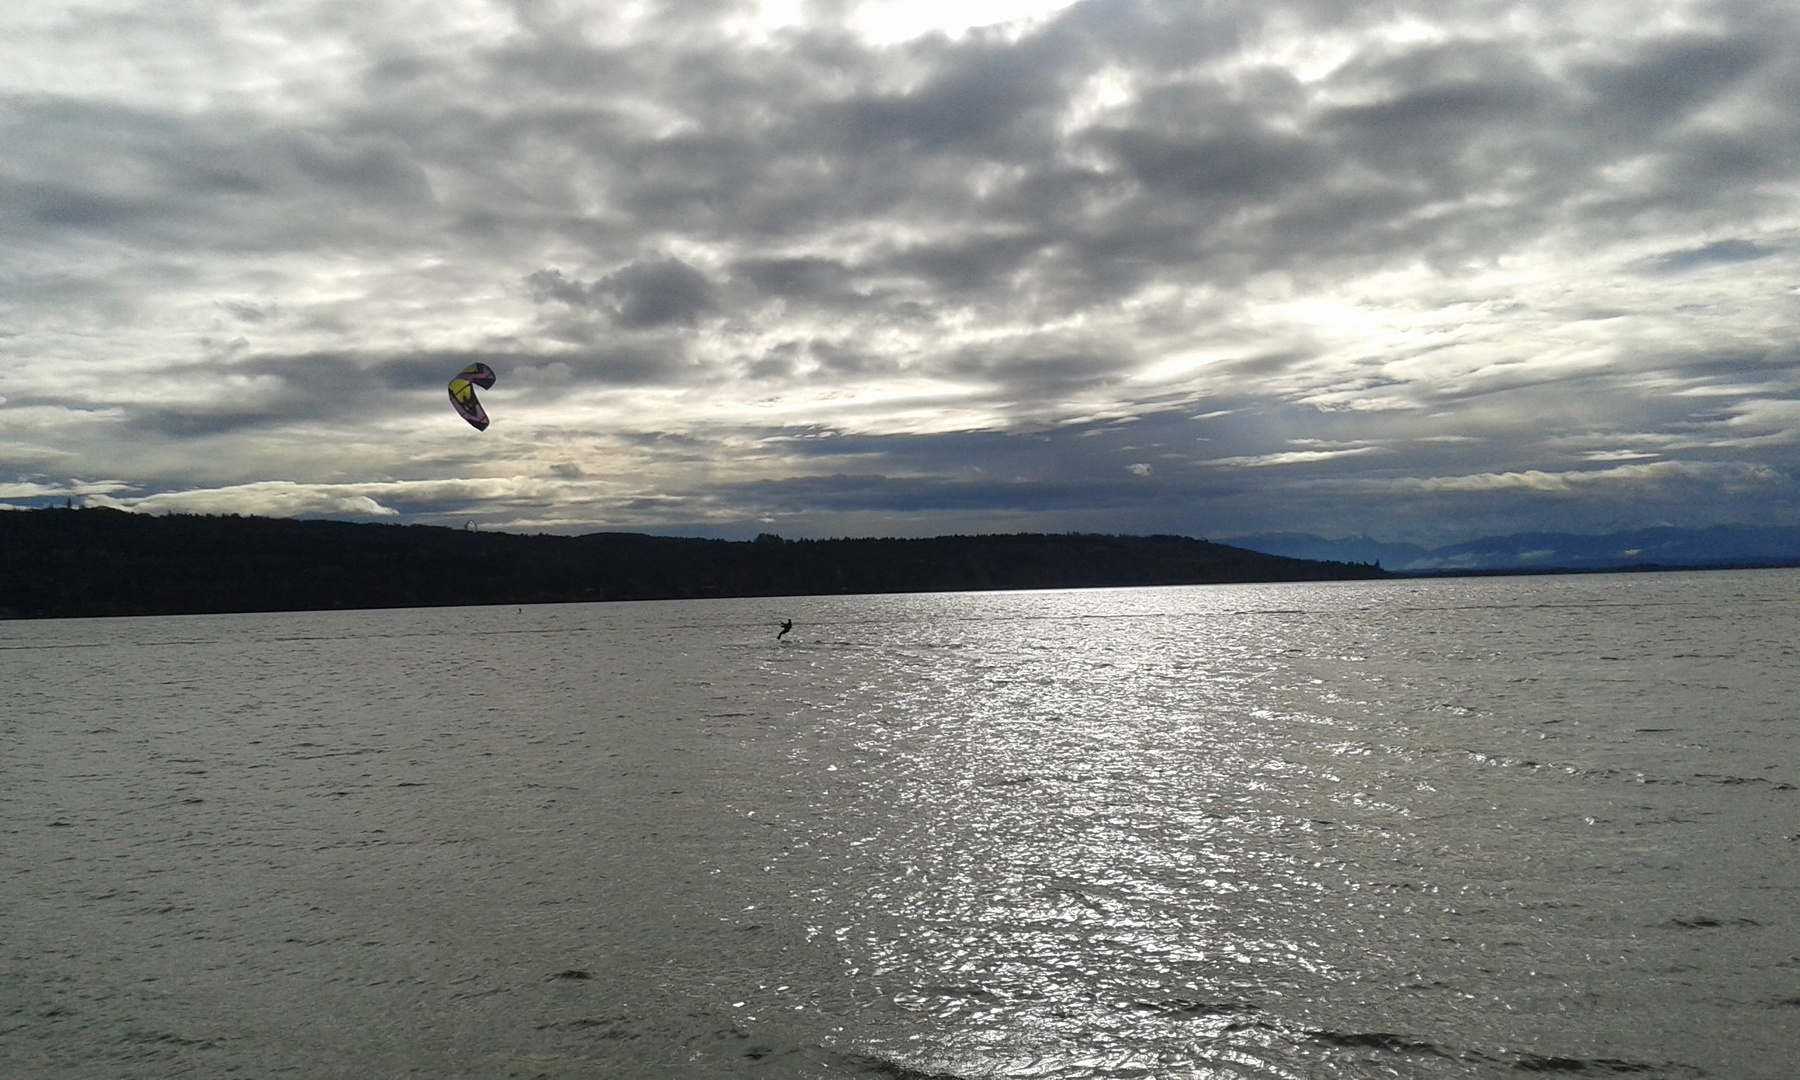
<point x="1292" y="457"/>
<point x="269" y="499"/>
<point x="1534" y="480"/>
<point x="886" y="22"/>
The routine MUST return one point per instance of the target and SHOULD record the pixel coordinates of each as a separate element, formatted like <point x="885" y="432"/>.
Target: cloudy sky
<point x="1417" y="270"/>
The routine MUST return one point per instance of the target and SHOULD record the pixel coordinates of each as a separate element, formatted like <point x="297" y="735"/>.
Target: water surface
<point x="1448" y="828"/>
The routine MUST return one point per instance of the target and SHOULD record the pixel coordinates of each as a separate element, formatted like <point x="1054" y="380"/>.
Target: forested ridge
<point x="85" y="562"/>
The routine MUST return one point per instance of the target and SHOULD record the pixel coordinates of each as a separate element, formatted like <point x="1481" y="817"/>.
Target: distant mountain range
<point x="1718" y="545"/>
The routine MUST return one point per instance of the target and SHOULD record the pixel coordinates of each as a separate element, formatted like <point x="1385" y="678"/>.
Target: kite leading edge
<point x="462" y="394"/>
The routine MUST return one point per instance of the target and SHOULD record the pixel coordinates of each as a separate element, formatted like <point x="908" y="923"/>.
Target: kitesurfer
<point x="785" y="627"/>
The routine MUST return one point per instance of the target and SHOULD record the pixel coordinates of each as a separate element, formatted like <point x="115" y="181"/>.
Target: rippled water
<point x="1449" y="828"/>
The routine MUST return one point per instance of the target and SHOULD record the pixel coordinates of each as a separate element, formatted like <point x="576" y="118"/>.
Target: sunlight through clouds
<point x="887" y="22"/>
<point x="804" y="262"/>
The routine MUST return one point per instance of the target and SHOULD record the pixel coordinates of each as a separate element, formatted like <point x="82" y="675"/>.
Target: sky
<point x="1417" y="271"/>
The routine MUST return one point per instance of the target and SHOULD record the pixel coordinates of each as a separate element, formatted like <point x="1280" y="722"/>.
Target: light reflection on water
<point x="1418" y="829"/>
<point x="1360" y="829"/>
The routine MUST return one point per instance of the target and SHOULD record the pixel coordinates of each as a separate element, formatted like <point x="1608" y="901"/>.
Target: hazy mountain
<point x="1718" y="545"/>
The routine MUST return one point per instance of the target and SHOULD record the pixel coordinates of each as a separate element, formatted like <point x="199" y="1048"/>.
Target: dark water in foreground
<point x="1473" y="828"/>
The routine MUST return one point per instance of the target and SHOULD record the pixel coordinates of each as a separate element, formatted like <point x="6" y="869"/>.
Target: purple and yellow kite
<point x="462" y="394"/>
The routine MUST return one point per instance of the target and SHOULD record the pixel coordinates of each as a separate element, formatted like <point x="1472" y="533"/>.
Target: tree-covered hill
<point x="64" y="562"/>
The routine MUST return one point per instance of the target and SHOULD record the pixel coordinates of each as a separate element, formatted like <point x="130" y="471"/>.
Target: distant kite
<point x="462" y="394"/>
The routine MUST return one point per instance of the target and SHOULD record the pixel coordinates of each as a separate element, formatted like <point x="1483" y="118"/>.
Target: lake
<point x="1418" y="828"/>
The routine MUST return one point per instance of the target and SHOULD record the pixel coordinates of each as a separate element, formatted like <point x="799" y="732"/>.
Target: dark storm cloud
<point x="876" y="492"/>
<point x="1666" y="80"/>
<point x="313" y="390"/>
<point x="983" y="97"/>
<point x="647" y="293"/>
<point x="1215" y="166"/>
<point x="1090" y="457"/>
<point x="188" y="422"/>
<point x="807" y="279"/>
<point x="158" y="178"/>
<point x="348" y="391"/>
<point x="58" y="207"/>
<point x="1042" y="367"/>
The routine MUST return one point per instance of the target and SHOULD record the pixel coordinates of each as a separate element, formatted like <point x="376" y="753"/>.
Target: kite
<point x="462" y="394"/>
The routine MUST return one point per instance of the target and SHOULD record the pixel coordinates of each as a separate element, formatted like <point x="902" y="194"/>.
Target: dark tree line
<point x="64" y="562"/>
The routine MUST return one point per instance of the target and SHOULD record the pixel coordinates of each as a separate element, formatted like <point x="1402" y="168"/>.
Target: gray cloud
<point x="803" y="279"/>
<point x="731" y="271"/>
<point x="1716" y="253"/>
<point x="646" y="293"/>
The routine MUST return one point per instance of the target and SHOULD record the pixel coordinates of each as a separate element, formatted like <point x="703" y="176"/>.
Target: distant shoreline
<point x="1636" y="568"/>
<point x="1653" y="547"/>
<point x="68" y="563"/>
<point x="86" y="563"/>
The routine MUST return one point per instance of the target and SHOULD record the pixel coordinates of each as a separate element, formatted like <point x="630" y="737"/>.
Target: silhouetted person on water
<point x="785" y="627"/>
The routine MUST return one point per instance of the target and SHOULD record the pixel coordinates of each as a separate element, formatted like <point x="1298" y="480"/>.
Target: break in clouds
<point x="1422" y="271"/>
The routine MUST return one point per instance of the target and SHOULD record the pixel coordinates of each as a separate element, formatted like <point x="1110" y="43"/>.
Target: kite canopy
<point x="462" y="394"/>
